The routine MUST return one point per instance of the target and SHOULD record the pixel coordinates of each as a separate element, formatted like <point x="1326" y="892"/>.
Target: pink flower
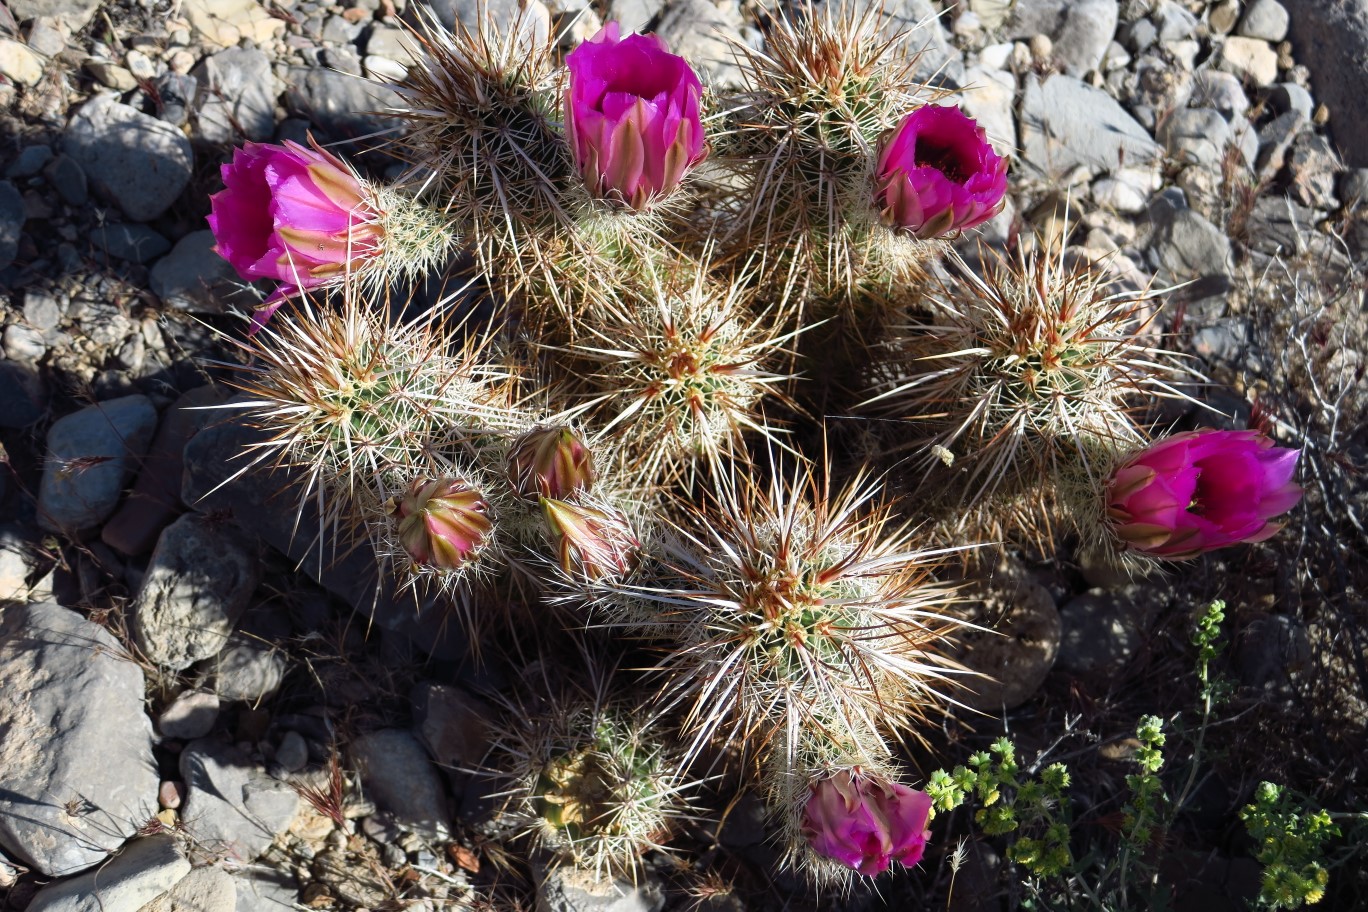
<point x="443" y="523"/>
<point x="296" y="215"/>
<point x="1201" y="491"/>
<point x="550" y="462"/>
<point x="938" y="174"/>
<point x="632" y="116"/>
<point x="591" y="543"/>
<point x="866" y="822"/>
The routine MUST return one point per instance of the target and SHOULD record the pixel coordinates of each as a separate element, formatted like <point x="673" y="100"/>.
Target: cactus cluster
<point x="690" y="291"/>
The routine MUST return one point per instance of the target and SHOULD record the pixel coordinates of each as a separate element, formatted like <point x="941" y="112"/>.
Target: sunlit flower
<point x="443" y="523"/>
<point x="866" y="822"/>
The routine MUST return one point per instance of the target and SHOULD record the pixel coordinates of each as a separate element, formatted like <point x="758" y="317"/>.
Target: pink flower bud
<point x="866" y="822"/>
<point x="298" y="216"/>
<point x="443" y="523"/>
<point x="938" y="174"/>
<point x="550" y="462"/>
<point x="591" y="543"/>
<point x="1201" y="491"/>
<point x="632" y="116"/>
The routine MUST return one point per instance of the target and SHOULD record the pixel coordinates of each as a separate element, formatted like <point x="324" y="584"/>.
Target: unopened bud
<point x="550" y="462"/>
<point x="591" y="543"/>
<point x="443" y="522"/>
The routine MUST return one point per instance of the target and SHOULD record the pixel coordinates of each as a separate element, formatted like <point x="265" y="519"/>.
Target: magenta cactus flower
<point x="866" y="822"/>
<point x="550" y="462"/>
<point x="632" y="116"/>
<point x="938" y="174"/>
<point x="298" y="216"/>
<point x="1201" y="491"/>
<point x="443" y="522"/>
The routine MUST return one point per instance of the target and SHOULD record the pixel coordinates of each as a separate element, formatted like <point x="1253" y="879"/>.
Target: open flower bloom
<point x="1200" y="491"/>
<point x="296" y="215"/>
<point x="866" y="822"/>
<point x="632" y="116"/>
<point x="443" y="522"/>
<point x="938" y="174"/>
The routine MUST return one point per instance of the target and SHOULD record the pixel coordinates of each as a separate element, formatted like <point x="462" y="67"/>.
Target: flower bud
<point x="865" y="821"/>
<point x="443" y="523"/>
<point x="550" y="462"/>
<point x="592" y="543"/>
<point x="632" y="116"/>
<point x="938" y="174"/>
<point x="298" y="216"/>
<point x="1201" y="491"/>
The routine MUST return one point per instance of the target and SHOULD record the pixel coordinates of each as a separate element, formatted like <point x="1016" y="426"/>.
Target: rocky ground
<point x="188" y="722"/>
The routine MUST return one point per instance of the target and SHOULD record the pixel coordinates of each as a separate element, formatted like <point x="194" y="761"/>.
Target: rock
<point x="77" y="747"/>
<point x="226" y="22"/>
<point x="69" y="180"/>
<point x="391" y="43"/>
<point x="48" y="36"/>
<point x="1222" y="17"/>
<point x="1334" y="34"/>
<point x="14" y="570"/>
<point x="12" y="215"/>
<point x="337" y="102"/>
<point x="192" y="277"/>
<point x="989" y="98"/>
<point x="197" y="585"/>
<point x="29" y="161"/>
<point x="1019" y="651"/>
<point x="1185" y="246"/>
<point x="90" y="455"/>
<point x="1173" y="21"/>
<point x="265" y="889"/>
<point x="134" y="243"/>
<point x="634" y="15"/>
<point x="191" y="715"/>
<point x="923" y="26"/>
<point x="567" y="889"/>
<point x="1312" y="165"/>
<point x="232" y="806"/>
<point x="241" y="96"/>
<point x="248" y="671"/>
<point x="1221" y="91"/>
<point x="23" y="343"/>
<point x="110" y="75"/>
<point x="19" y="64"/>
<point x="1269" y="649"/>
<point x="1353" y="192"/>
<point x="1080" y="30"/>
<point x="1197" y="136"/>
<point x="499" y="14"/>
<point x="1288" y="96"/>
<point x="1066" y="123"/>
<point x="139" y="162"/>
<point x="693" y="29"/>
<point x="1249" y="58"/>
<point x="1275" y="138"/>
<point x="144" y="870"/>
<point x="1266" y="20"/>
<point x="293" y="752"/>
<point x="1102" y="630"/>
<point x="1280" y="226"/>
<point x="451" y="724"/>
<point x="41" y="310"/>
<point x="384" y="69"/>
<point x="73" y="13"/>
<point x="205" y="889"/>
<point x="1119" y="196"/>
<point x="21" y="395"/>
<point x="401" y="779"/>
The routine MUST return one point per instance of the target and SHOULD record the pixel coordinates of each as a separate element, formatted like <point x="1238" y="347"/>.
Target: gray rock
<point x="1353" y="192"/>
<point x="29" y="161"/>
<point x="401" y="779"/>
<point x="1266" y="20"/>
<point x="197" y="585"/>
<point x="1270" y="649"/>
<point x="144" y="870"/>
<point x="1279" y="225"/>
<point x="1015" y="654"/>
<point x="940" y="64"/>
<point x="1222" y="91"/>
<point x="233" y="808"/>
<point x="1288" y="96"/>
<point x="1173" y="21"/>
<point x="1312" y="165"/>
<point x="12" y="215"/>
<point x="1102" y="630"/>
<point x="1066" y="123"/>
<point x="77" y="747"/>
<point x="634" y="15"/>
<point x="1141" y="36"/>
<point x="75" y="13"/>
<point x="693" y="29"/>
<point x="1196" y="136"/>
<point x="90" y="456"/>
<point x="21" y="395"/>
<point x="134" y="243"/>
<point x="1185" y="246"/>
<point x="191" y="715"/>
<point x="241" y="91"/>
<point x="1334" y="35"/>
<point x="41" y="310"/>
<point x="1079" y="30"/>
<point x="339" y="32"/>
<point x="337" y="102"/>
<point x="342" y="59"/>
<point x="1275" y="138"/>
<point x="110" y="75"/>
<point x="14" y="569"/>
<point x="392" y="43"/>
<point x="48" y="36"/>
<point x="265" y="889"/>
<point x="248" y="671"/>
<point x="293" y="752"/>
<point x="67" y="179"/>
<point x="1249" y="58"/>
<point x="19" y="64"/>
<point x="139" y="162"/>
<point x="204" y="889"/>
<point x="452" y="724"/>
<point x="1222" y="16"/>
<point x="23" y="344"/>
<point x="192" y="277"/>
<point x="989" y="97"/>
<point x="567" y="889"/>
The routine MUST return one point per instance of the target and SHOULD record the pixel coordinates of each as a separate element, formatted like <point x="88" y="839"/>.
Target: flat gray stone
<point x="204" y="889"/>
<point x="265" y="889"/>
<point x="76" y="13"/>
<point x="1332" y="36"/>
<point x="191" y="715"/>
<point x="1196" y="136"/>
<point x="1079" y="30"/>
<point x="241" y="96"/>
<point x="248" y="671"/>
<point x="192" y="277"/>
<point x="1266" y="20"/>
<point x="401" y="779"/>
<point x="198" y="583"/>
<point x="90" y="456"/>
<point x="144" y="870"/>
<point x="77" y="748"/>
<point x="140" y="163"/>
<point x="693" y="29"/>
<point x="134" y="243"/>
<point x="233" y="808"/>
<point x="1102" y="631"/>
<point x="338" y="103"/>
<point x="67" y="178"/>
<point x="1066" y="123"/>
<point x="1186" y="246"/>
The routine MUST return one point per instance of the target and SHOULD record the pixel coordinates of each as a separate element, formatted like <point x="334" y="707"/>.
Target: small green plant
<point x="1291" y="843"/>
